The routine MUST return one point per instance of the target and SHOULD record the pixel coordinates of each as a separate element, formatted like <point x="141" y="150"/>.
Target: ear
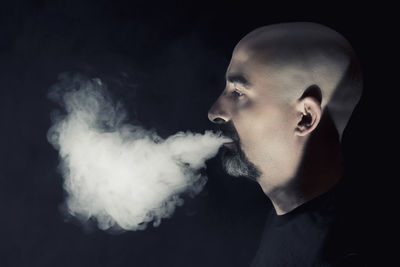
<point x="309" y="115"/>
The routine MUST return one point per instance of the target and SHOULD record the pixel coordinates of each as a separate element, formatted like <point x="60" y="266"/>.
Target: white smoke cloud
<point x="120" y="174"/>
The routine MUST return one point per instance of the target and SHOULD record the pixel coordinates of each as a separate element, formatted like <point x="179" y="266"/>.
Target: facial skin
<point x="270" y="111"/>
<point x="261" y="118"/>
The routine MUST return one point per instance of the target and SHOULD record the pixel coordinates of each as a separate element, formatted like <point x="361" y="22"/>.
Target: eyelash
<point x="236" y="93"/>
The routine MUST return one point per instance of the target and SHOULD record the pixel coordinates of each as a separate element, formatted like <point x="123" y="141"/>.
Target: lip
<point x="230" y="140"/>
<point x="230" y="145"/>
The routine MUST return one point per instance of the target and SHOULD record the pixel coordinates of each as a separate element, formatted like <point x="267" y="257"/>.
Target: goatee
<point x="234" y="160"/>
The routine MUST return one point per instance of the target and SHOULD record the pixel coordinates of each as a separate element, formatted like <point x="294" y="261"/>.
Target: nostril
<point x="218" y="120"/>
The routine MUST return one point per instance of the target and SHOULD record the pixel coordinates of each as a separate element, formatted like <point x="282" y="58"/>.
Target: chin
<point x="236" y="163"/>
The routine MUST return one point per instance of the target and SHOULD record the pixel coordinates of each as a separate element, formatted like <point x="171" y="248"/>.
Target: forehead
<point x="248" y="63"/>
<point x="262" y="72"/>
<point x="241" y="55"/>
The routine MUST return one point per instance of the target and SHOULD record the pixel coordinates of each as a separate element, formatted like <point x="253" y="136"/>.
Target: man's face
<point x="251" y="112"/>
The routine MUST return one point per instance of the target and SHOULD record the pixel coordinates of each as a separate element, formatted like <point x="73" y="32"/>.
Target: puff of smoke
<point x="119" y="174"/>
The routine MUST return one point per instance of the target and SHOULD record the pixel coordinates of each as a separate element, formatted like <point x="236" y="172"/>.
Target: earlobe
<point x="309" y="116"/>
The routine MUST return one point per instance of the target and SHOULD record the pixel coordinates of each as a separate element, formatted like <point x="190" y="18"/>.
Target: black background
<point x="166" y="62"/>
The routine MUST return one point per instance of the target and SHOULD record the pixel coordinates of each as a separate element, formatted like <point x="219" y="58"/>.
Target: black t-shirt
<point x="321" y="232"/>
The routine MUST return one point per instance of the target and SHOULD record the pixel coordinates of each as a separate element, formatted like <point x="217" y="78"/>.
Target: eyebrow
<point x="237" y="78"/>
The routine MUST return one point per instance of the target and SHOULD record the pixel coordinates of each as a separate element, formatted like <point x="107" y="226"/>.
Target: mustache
<point x="228" y="130"/>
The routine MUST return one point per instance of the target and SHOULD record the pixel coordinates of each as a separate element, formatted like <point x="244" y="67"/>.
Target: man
<point x="290" y="91"/>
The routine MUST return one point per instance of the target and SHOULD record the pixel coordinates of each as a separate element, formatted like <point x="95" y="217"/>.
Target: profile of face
<point x="250" y="112"/>
<point x="278" y="82"/>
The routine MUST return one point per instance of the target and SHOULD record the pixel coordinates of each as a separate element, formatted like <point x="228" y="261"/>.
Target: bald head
<point x="300" y="56"/>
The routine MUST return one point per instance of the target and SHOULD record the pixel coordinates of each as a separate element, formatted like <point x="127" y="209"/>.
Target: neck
<point x="306" y="185"/>
<point x="319" y="169"/>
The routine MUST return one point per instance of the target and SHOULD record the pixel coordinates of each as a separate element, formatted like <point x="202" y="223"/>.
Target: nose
<point x="218" y="112"/>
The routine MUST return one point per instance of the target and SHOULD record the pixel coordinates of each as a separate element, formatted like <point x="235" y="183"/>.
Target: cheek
<point x="263" y="125"/>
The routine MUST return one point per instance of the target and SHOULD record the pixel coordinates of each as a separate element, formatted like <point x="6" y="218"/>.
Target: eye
<point x="236" y="93"/>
